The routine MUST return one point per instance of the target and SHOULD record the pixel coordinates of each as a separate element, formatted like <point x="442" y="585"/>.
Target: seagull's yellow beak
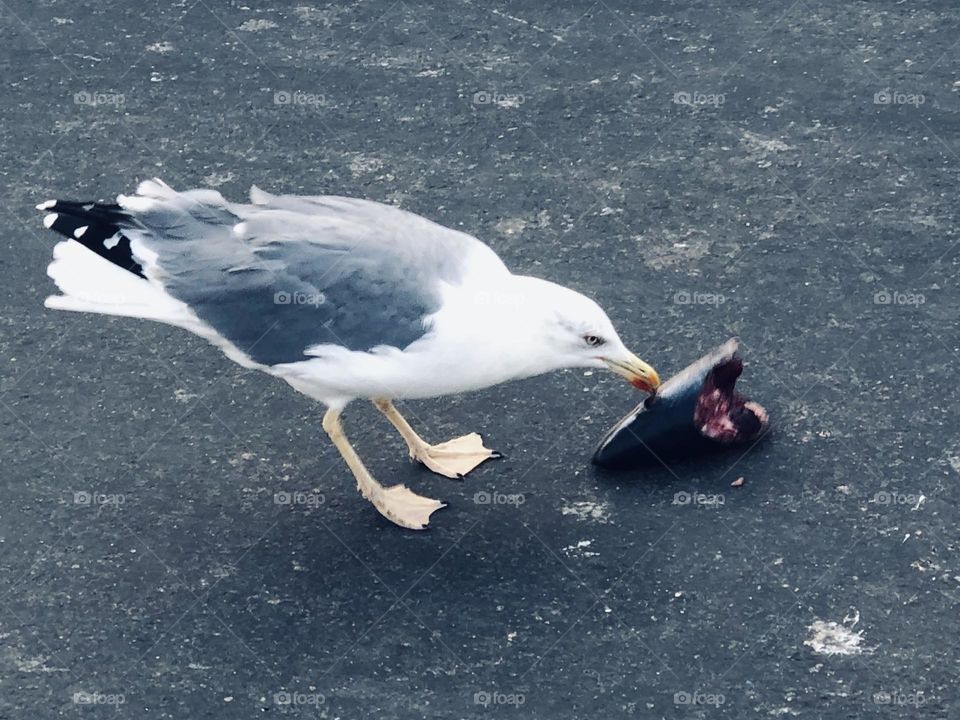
<point x="636" y="371"/>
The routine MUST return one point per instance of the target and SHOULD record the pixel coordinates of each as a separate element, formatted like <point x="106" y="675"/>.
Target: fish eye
<point x="593" y="340"/>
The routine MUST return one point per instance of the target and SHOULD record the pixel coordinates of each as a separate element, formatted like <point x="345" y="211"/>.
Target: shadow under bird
<point x="342" y="298"/>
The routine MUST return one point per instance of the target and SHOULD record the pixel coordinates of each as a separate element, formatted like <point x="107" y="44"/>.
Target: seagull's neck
<point x="499" y="327"/>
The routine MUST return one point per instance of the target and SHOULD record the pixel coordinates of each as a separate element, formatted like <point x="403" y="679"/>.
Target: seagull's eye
<point x="593" y="340"/>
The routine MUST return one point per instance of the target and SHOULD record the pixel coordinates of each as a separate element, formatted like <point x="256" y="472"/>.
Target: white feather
<point x="90" y="283"/>
<point x="136" y="203"/>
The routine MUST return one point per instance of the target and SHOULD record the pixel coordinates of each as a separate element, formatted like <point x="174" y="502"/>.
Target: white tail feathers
<point x="91" y="284"/>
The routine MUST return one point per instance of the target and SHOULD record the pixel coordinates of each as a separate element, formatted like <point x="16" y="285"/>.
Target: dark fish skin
<point x="663" y="427"/>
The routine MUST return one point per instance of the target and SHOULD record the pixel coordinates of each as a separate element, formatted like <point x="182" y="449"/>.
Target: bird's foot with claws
<point x="400" y="505"/>
<point x="454" y="458"/>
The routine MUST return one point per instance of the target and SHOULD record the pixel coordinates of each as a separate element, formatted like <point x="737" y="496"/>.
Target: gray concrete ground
<point x="785" y="172"/>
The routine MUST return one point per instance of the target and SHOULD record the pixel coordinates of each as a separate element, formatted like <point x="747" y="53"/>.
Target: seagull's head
<point x="578" y="333"/>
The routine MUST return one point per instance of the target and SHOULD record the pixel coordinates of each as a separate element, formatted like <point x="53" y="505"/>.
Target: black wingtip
<point x="97" y="226"/>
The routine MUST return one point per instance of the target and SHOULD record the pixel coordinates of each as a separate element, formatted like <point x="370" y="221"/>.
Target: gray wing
<point x="287" y="273"/>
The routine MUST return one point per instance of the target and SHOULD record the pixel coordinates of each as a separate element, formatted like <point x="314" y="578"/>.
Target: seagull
<point x="342" y="298"/>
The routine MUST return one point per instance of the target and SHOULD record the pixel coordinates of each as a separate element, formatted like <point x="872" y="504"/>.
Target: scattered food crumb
<point x="580" y="549"/>
<point x="832" y="638"/>
<point x="256" y="25"/>
<point x="217" y="179"/>
<point x="587" y="511"/>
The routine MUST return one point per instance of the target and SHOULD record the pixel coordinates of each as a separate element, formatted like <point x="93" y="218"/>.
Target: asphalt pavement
<point x="178" y="539"/>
